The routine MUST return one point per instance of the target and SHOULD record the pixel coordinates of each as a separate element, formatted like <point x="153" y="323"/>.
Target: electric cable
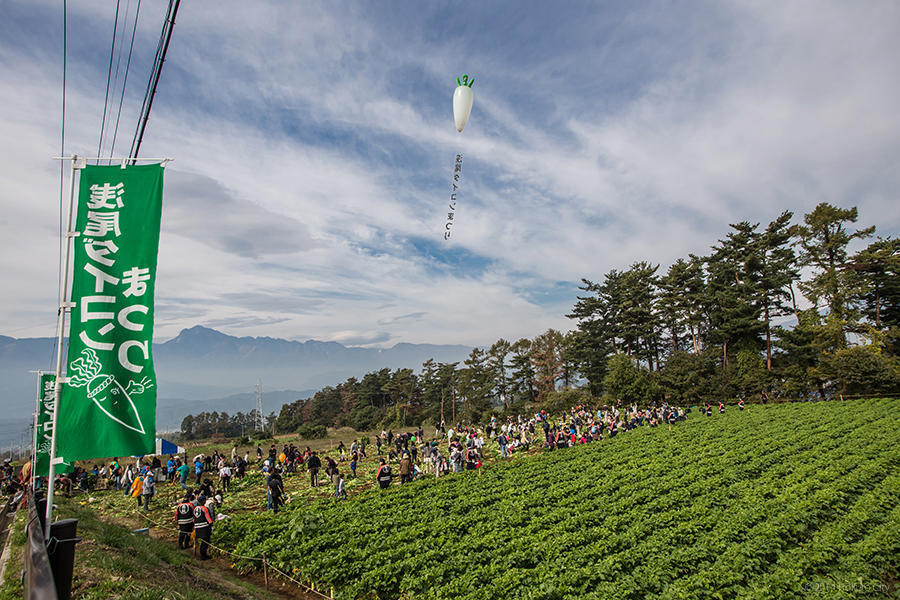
<point x="162" y="49"/>
<point x="112" y="49"/>
<point x="137" y="12"/>
<point x="121" y="46"/>
<point x="159" y="46"/>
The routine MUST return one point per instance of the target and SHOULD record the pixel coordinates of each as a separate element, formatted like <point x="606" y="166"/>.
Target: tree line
<point x="783" y="310"/>
<point x="221" y="424"/>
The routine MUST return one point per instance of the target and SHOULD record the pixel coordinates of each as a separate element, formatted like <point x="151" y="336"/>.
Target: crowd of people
<point x="457" y="448"/>
<point x="454" y="449"/>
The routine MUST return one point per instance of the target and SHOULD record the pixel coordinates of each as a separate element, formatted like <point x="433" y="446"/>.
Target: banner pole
<point x="34" y="437"/>
<point x="64" y="304"/>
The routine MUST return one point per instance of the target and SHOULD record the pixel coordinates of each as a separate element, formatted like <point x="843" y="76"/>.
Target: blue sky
<point x="314" y="144"/>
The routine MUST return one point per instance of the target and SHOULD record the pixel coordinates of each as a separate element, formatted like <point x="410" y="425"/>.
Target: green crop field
<point x="788" y="501"/>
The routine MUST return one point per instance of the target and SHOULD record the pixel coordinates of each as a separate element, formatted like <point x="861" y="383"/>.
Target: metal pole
<point x="37" y="409"/>
<point x="131" y="159"/>
<point x="60" y="332"/>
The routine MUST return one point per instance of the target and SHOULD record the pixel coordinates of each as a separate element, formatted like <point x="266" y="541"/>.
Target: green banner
<point x="44" y="425"/>
<point x="108" y="406"/>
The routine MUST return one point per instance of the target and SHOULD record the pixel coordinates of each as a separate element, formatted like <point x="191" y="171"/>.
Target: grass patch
<point x="113" y="562"/>
<point x="11" y="588"/>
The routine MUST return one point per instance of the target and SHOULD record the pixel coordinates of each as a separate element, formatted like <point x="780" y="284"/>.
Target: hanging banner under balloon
<point x="108" y="405"/>
<point x="454" y="185"/>
<point x="43" y="426"/>
<point x="462" y="108"/>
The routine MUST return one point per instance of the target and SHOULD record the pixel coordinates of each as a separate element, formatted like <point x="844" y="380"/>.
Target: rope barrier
<point x="263" y="560"/>
<point x="306" y="588"/>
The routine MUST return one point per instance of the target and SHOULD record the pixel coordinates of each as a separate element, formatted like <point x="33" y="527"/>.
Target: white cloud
<point x="308" y="169"/>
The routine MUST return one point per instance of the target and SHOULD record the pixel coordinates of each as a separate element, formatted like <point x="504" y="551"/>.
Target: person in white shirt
<point x="224" y="476"/>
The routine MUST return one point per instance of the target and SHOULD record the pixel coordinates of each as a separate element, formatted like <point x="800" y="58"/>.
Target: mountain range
<point x="202" y="369"/>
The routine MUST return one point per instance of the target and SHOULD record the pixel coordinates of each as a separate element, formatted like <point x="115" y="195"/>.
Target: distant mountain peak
<point x="202" y="363"/>
<point x="199" y="331"/>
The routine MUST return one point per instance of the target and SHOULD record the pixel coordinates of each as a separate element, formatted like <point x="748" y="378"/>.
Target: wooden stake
<point x="266" y="571"/>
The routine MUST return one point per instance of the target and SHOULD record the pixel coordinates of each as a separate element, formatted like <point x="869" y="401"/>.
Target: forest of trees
<point x="784" y="309"/>
<point x="220" y="424"/>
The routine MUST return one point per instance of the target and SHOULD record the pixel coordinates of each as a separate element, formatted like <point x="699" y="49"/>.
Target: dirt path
<point x="6" y="523"/>
<point x="218" y="571"/>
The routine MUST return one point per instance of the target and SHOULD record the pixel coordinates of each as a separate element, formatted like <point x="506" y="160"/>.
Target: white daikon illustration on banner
<point x="106" y="392"/>
<point x="44" y="447"/>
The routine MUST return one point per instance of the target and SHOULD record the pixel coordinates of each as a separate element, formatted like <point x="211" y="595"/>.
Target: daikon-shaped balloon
<point x="462" y="101"/>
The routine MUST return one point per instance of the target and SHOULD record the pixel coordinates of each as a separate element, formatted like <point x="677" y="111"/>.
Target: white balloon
<point x="462" y="106"/>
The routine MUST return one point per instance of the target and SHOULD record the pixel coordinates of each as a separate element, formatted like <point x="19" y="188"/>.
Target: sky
<point x="314" y="147"/>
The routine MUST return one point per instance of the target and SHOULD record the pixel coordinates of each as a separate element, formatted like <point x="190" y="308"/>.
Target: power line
<point x="121" y="44"/>
<point x="159" y="46"/>
<point x="164" y="39"/>
<point x="112" y="49"/>
<point x="137" y="12"/>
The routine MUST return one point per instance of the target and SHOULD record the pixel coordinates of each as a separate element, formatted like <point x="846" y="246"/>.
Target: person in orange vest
<point x="136" y="488"/>
<point x="203" y="522"/>
<point x="184" y="516"/>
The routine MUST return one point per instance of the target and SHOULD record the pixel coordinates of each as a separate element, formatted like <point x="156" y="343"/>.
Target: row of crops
<point x="791" y="501"/>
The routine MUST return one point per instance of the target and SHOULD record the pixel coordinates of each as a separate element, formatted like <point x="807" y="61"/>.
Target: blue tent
<point x="167" y="447"/>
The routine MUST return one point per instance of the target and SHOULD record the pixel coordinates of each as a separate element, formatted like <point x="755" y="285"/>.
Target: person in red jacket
<point x="203" y="521"/>
<point x="184" y="516"/>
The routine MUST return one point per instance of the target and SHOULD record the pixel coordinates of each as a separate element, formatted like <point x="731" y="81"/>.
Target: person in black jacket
<point x="184" y="516"/>
<point x="203" y="522"/>
<point x="383" y="476"/>
<point x="276" y="489"/>
<point x="313" y="463"/>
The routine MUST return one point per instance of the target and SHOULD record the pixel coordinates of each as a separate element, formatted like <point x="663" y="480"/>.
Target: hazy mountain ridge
<point x="202" y="369"/>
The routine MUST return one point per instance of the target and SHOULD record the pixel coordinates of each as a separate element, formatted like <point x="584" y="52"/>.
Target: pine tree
<point x="568" y="358"/>
<point x="547" y="362"/>
<point x="777" y="271"/>
<point x="823" y="241"/>
<point x="597" y="314"/>
<point x="522" y="382"/>
<point x="732" y="282"/>
<point x="877" y="270"/>
<point x="497" y="364"/>
<point x="475" y="386"/>
<point x="638" y="321"/>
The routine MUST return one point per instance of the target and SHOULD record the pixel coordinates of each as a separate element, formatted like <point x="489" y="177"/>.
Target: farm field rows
<point x="789" y="501"/>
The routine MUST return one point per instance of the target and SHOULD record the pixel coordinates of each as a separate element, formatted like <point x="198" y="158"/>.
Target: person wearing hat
<point x="184" y="516"/>
<point x="405" y="468"/>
